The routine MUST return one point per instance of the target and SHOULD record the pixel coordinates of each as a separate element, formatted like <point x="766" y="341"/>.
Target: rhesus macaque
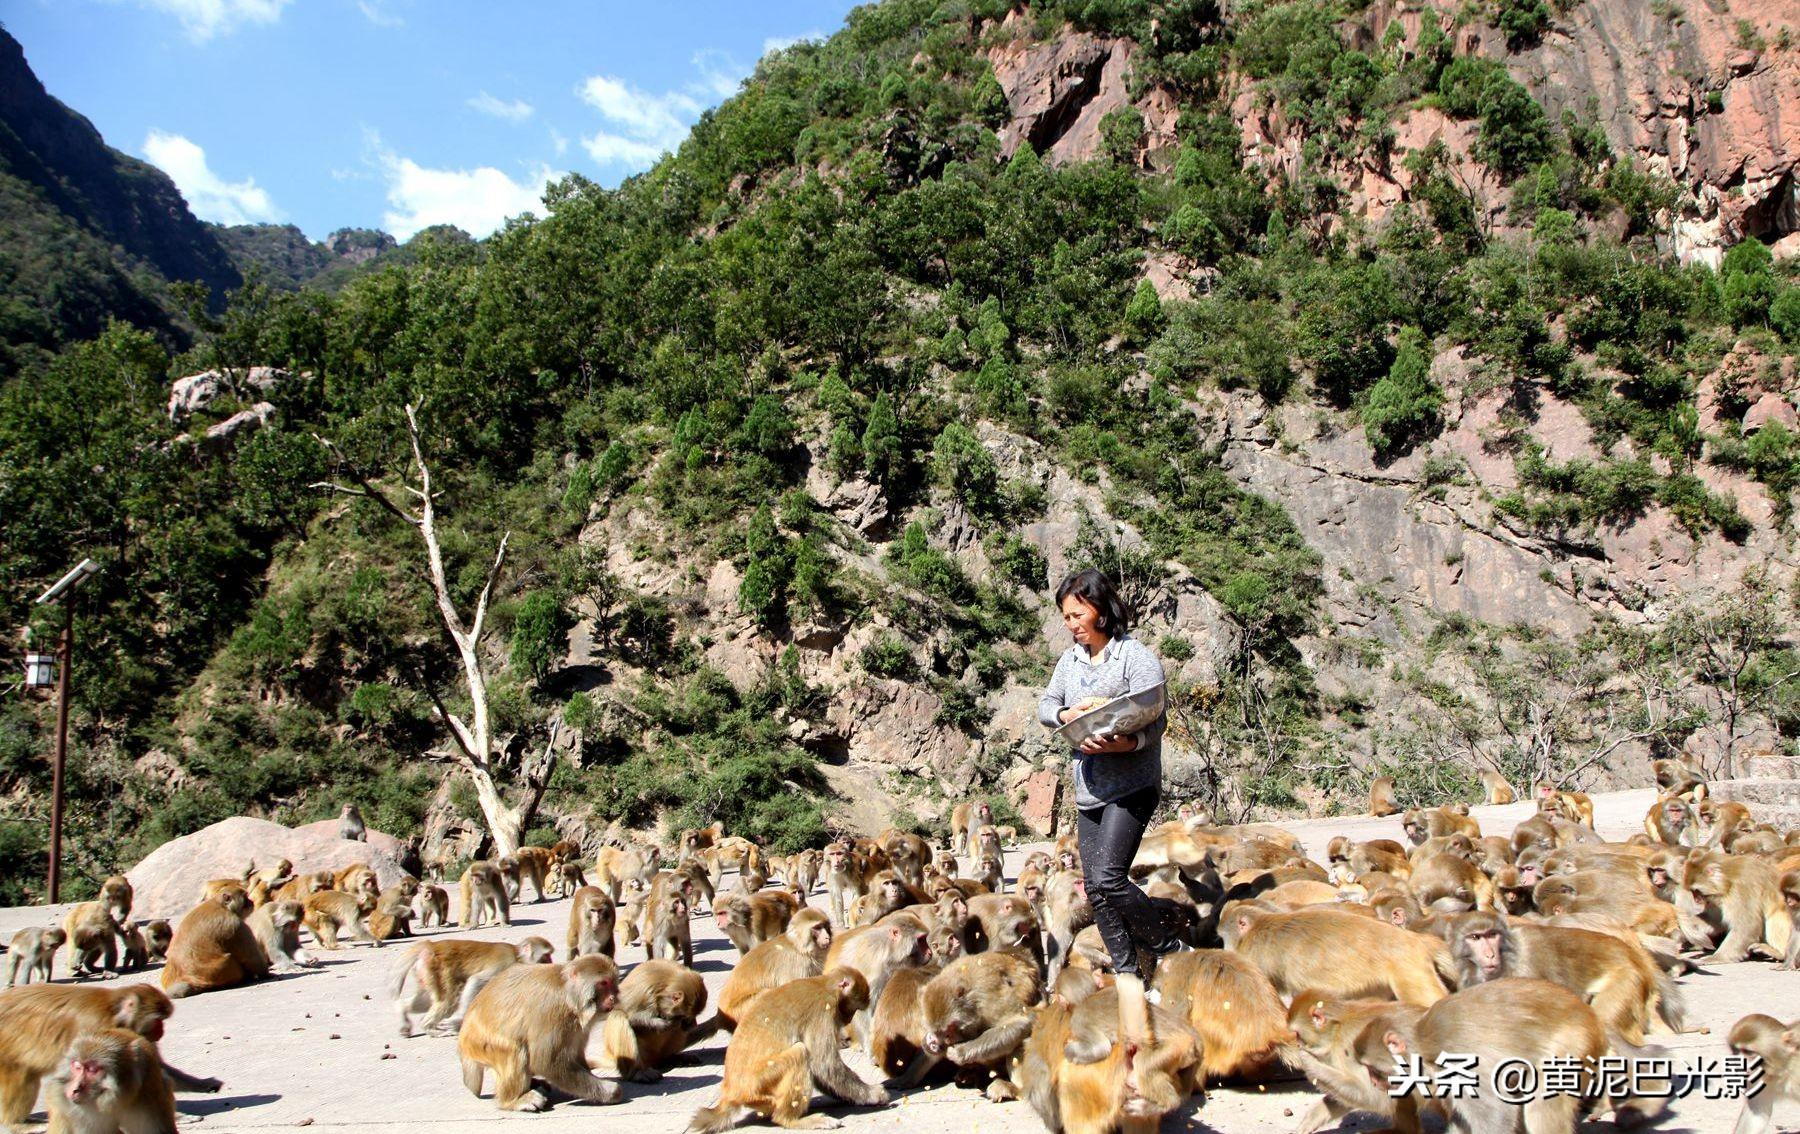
<point x="1306" y="948"/>
<point x="534" y="866"/>
<point x="1421" y="824"/>
<point x="350" y="825"/>
<point x="899" y="940"/>
<point x="1790" y="893"/>
<point x="698" y="877"/>
<point x="631" y="911"/>
<point x="965" y="819"/>
<point x="357" y="880"/>
<point x="1066" y="912"/>
<point x="1777" y="1044"/>
<point x="39" y="1022"/>
<point x="664" y="921"/>
<point x="565" y="850"/>
<point x="508" y="868"/>
<point x="696" y="839"/>
<point x="91" y="928"/>
<point x="847" y="878"/>
<point x="592" y="922"/>
<point x="1324" y="1048"/>
<point x="750" y="919"/>
<point x="1449" y="883"/>
<point x="212" y="949"/>
<point x="977" y="1013"/>
<point x="990" y="872"/>
<point x="907" y="854"/>
<point x="1744" y="895"/>
<point x="802" y="873"/>
<point x="219" y="887"/>
<point x="1723" y="820"/>
<point x="1575" y="806"/>
<point x="1381" y="797"/>
<point x="1680" y="778"/>
<point x="659" y="1004"/>
<point x="1000" y="921"/>
<point x="276" y="928"/>
<point x="797" y="953"/>
<point x="781" y="1054"/>
<point x="431" y="907"/>
<point x="331" y="912"/>
<point x="531" y="1022"/>
<point x="1110" y="1063"/>
<point x="567" y="877"/>
<point x="301" y="887"/>
<point x="1497" y="1022"/>
<point x="1232" y="1006"/>
<point x="1512" y="893"/>
<point x="441" y="978"/>
<point x="1498" y="790"/>
<point x="897" y="1028"/>
<point x="1619" y="980"/>
<point x="393" y="911"/>
<point x="111" y="1081"/>
<point x="615" y="866"/>
<point x="32" y="952"/>
<point x="483" y="893"/>
<point x="1671" y="822"/>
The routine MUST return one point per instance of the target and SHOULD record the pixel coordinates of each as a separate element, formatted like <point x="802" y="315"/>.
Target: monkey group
<point x="1544" y="943"/>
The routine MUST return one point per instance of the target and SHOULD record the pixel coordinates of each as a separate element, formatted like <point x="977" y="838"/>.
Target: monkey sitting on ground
<point x="1381" y="797"/>
<point x="659" y="1005"/>
<point x="32" y="952"/>
<point x="591" y="923"/>
<point x="1499" y="792"/>
<point x="788" y="1048"/>
<point x="111" y="1080"/>
<point x="531" y="1022"/>
<point x="796" y="954"/>
<point x="1110" y="1063"/>
<point x="393" y="911"/>
<point x="1231" y="1005"/>
<point x="213" y="949"/>
<point x="1324" y="1045"/>
<point x="977" y="1013"/>
<point x="276" y="928"/>
<point x="1680" y="778"/>
<point x="445" y="976"/>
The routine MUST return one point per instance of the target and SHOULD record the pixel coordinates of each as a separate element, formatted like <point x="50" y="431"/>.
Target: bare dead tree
<point x="475" y="750"/>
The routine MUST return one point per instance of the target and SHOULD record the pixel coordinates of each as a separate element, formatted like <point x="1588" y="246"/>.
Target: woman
<point x="1118" y="779"/>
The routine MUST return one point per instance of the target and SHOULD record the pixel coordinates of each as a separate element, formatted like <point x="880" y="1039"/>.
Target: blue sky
<point x="396" y="114"/>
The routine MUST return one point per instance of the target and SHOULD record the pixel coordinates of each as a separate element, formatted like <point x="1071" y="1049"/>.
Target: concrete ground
<point x="321" y="1049"/>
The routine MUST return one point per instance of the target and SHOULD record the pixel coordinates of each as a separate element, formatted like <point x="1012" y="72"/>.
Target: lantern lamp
<point x="40" y="670"/>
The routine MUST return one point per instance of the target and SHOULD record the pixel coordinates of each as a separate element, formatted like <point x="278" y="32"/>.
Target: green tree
<point x="1403" y="407"/>
<point x="881" y="440"/>
<point x="1144" y="314"/>
<point x="540" y="625"/>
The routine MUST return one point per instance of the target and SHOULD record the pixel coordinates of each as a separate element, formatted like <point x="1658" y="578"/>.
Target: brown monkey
<point x="508" y="867"/>
<point x="1231" y="1005"/>
<point x="897" y="1028"/>
<point x="803" y="871"/>
<point x="431" y="907"/>
<point x="37" y="1024"/>
<point x="534" y="867"/>
<point x="750" y="919"/>
<point x="1304" y="949"/>
<point x="1449" y="883"/>
<point x="1381" y="797"/>
<point x="351" y="826"/>
<point x="788" y="1048"/>
<point x="907" y="854"/>
<point x="659" y="1004"/>
<point x="615" y="866"/>
<point x="157" y="935"/>
<point x="1776" y="1044"/>
<point x="1111" y="1063"/>
<point x="357" y="880"/>
<point x="483" y="892"/>
<point x="212" y="949"/>
<point x="531" y="1022"/>
<point x="1680" y="778"/>
<point x="1066" y="912"/>
<point x="965" y="819"/>
<point x="1000" y="921"/>
<point x="1498" y="790"/>
<point x="394" y="911"/>
<point x="272" y="877"/>
<point x="987" y="842"/>
<point x="1742" y="894"/>
<point x="32" y="952"/>
<point x="568" y="878"/>
<point x="899" y="940"/>
<point x="1671" y="821"/>
<point x="847" y="878"/>
<point x="303" y="886"/>
<point x="696" y="839"/>
<point x="111" y="1080"/>
<point x="1575" y="806"/>
<point x="441" y="978"/>
<point x="664" y="921"/>
<point x="1723" y="820"/>
<point x="331" y="912"/>
<point x="91" y="928"/>
<point x="592" y="921"/>
<point x="990" y="872"/>
<point x="797" y="953"/>
<point x="565" y="850"/>
<point x="276" y="928"/>
<point x="1325" y="1032"/>
<point x="977" y="1013"/>
<point x="1618" y="980"/>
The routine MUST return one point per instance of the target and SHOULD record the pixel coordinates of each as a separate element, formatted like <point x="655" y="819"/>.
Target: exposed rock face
<point x="1059" y="91"/>
<point x="168" y="882"/>
<point x="227" y="433"/>
<point x="195" y="392"/>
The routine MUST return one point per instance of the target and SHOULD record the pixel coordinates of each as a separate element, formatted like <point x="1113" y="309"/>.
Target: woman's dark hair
<point x="1095" y="589"/>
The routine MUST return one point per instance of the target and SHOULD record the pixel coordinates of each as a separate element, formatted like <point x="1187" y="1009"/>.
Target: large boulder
<point x="168" y="882"/>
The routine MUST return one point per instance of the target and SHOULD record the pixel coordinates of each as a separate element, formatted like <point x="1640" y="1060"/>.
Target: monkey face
<point x="1487" y="949"/>
<point x="88" y="1081"/>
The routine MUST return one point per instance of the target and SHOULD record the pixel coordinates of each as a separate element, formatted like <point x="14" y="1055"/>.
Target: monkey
<point x="965" y="819"/>
<point x="1671" y="822"/>
<point x="350" y="825"/>
<point x="157" y="935"/>
<point x="1776" y="1044"/>
<point x="1618" y="980"/>
<point x="212" y="949"/>
<point x="1789" y="885"/>
<point x="846" y="879"/>
<point x="1066" y="911"/>
<point x="1450" y="884"/>
<point x="272" y="877"/>
<point x="699" y="876"/>
<point x="331" y="912"/>
<point x="303" y="886"/>
<point x="696" y="839"/>
<point x="977" y="1013"/>
<point x="907" y="854"/>
<point x="1323" y="1047"/>
<point x="431" y="907"/>
<point x="393" y="914"/>
<point x="534" y="866"/>
<point x="1723" y="820"/>
<point x="110" y="1080"/>
<point x="1421" y="824"/>
<point x="795" y="954"/>
<point x="664" y="921"/>
<point x="1231" y="1005"/>
<point x="1303" y="950"/>
<point x="568" y="877"/>
<point x="1512" y="893"/>
<point x="987" y="843"/>
<point x="592" y="922"/>
<point x="1575" y="806"/>
<point x="1760" y="841"/>
<point x="412" y="856"/>
<point x="357" y="880"/>
<point x="1493" y="853"/>
<point x="781" y="1053"/>
<point x="38" y="1023"/>
<point x="802" y="873"/>
<point x="750" y="919"/>
<point x="899" y="940"/>
<point x="897" y="1028"/>
<point x="614" y="866"/>
<point x="508" y="868"/>
<point x="1498" y="790"/>
<point x="442" y="978"/>
<point x="1000" y="921"/>
<point x="565" y="850"/>
<point x="91" y="928"/>
<point x="530" y="1022"/>
<point x="1498" y="1022"/>
<point x="659" y="1004"/>
<point x="1381" y="797"/>
<point x="1744" y="893"/>
<point x="483" y="893"/>
<point x="1110" y="1062"/>
<point x="219" y="887"/>
<point x="32" y="952"/>
<point x="276" y="928"/>
<point x="631" y="911"/>
<point x="990" y="873"/>
<point x="134" y="948"/>
<point x="1679" y="778"/>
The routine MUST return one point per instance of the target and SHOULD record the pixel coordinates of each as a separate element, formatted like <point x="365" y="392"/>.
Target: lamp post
<point x="62" y="591"/>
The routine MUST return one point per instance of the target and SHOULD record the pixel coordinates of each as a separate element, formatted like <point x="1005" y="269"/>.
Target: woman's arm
<point x="1055" y="698"/>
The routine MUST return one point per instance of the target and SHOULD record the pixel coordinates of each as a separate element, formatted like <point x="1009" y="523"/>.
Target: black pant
<point x="1127" y="917"/>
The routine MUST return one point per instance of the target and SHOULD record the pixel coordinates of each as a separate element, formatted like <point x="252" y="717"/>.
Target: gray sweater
<point x="1126" y="665"/>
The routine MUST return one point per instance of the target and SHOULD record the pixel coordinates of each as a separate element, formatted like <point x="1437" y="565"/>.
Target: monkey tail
<point x="712" y="1119"/>
<point x="1671" y="1005"/>
<point x="405" y="966"/>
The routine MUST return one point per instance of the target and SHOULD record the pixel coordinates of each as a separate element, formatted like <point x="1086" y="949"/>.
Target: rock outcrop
<point x="168" y="882"/>
<point x="1058" y="91"/>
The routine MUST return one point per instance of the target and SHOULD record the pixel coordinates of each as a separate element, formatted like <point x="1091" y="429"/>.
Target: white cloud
<point x="558" y="141"/>
<point x="611" y="149"/>
<point x="478" y="201"/>
<point x="783" y="42"/>
<point x="642" y="126"/>
<point x="209" y="195"/>
<point x="204" y="19"/>
<point x="651" y="118"/>
<point x="378" y="14"/>
<point x="518" y="110"/>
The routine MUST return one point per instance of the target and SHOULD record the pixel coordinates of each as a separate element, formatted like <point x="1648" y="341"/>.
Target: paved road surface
<point x="321" y="1049"/>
